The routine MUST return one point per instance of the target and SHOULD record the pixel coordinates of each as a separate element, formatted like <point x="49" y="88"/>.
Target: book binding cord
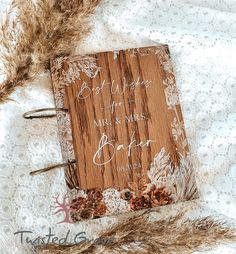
<point x="35" y="113"/>
<point x="47" y="113"/>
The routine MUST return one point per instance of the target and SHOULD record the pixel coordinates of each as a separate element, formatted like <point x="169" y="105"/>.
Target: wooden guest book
<point x="124" y="130"/>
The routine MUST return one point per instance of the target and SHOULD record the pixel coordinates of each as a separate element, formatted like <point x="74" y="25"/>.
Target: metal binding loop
<point x="43" y="170"/>
<point x="34" y="113"/>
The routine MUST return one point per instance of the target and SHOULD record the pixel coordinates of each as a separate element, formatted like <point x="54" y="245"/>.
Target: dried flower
<point x="90" y="206"/>
<point x="86" y="214"/>
<point x="94" y="195"/>
<point x="78" y="203"/>
<point x="100" y="209"/>
<point x="140" y="186"/>
<point x="126" y="194"/>
<point x="55" y="28"/>
<point x="140" y="202"/>
<point x="170" y="235"/>
<point x="159" y="196"/>
<point x="114" y="202"/>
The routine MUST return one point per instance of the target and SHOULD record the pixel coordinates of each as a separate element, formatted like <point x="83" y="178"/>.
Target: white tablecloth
<point x="202" y="38"/>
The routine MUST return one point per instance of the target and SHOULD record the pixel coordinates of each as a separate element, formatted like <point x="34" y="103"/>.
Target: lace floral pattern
<point x="171" y="92"/>
<point x="73" y="68"/>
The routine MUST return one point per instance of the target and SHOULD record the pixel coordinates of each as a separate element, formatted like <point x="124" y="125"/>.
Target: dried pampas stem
<point x="34" y="31"/>
<point x="139" y="235"/>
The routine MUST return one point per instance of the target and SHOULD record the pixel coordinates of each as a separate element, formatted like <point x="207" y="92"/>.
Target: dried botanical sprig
<point x="33" y="32"/>
<point x="140" y="235"/>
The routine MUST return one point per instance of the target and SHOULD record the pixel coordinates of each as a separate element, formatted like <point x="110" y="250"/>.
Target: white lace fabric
<point x="201" y="35"/>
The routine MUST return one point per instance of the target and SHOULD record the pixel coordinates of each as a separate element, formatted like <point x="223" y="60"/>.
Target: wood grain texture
<point x="125" y="103"/>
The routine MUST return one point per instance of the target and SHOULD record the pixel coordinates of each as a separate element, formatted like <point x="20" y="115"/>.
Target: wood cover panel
<point x="124" y="103"/>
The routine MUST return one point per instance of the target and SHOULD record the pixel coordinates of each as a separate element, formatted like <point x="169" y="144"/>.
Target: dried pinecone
<point x="74" y="216"/>
<point x="78" y="203"/>
<point x="86" y="214"/>
<point x="90" y="207"/>
<point x="159" y="196"/>
<point x="95" y="195"/>
<point x="140" y="202"/>
<point x="100" y="209"/>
